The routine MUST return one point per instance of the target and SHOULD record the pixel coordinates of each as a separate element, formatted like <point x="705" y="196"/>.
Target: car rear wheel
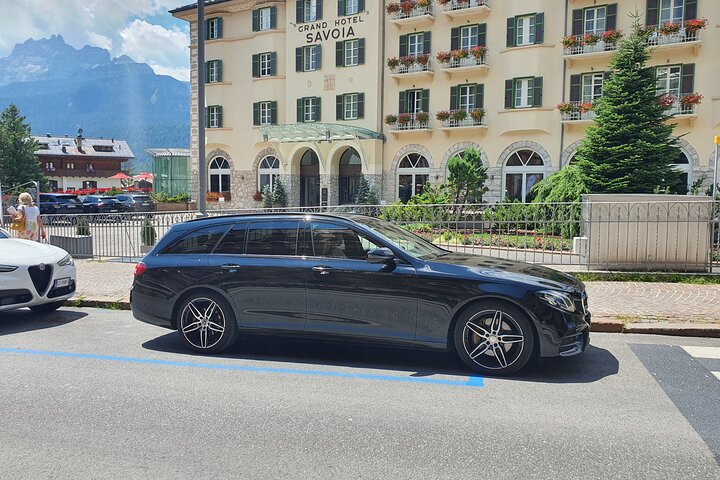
<point x="47" y="307"/>
<point x="494" y="338"/>
<point x="206" y="322"/>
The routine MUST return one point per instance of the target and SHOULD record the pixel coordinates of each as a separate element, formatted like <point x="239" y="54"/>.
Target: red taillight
<point x="140" y="268"/>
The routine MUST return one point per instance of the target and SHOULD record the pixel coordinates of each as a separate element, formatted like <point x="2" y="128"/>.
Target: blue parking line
<point x="472" y="381"/>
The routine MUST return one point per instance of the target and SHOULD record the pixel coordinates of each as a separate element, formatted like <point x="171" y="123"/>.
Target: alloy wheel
<point x="202" y="323"/>
<point x="493" y="339"/>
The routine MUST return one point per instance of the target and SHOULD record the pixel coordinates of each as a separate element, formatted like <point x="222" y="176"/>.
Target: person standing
<point x="34" y="228"/>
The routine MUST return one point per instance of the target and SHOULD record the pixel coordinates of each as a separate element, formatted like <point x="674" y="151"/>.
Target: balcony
<point x="417" y="15"/>
<point x="450" y="63"/>
<point x="408" y="122"/>
<point x="465" y="8"/>
<point x="78" y="172"/>
<point x="584" y="46"/>
<point x="461" y="120"/>
<point x="683" y="111"/>
<point x="576" y="113"/>
<point x="410" y="67"/>
<point x="664" y="38"/>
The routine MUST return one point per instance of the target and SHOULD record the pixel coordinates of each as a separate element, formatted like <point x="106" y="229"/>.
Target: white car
<point x="34" y="275"/>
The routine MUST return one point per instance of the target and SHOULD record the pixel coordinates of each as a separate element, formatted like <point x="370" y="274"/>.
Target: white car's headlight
<point x="66" y="260"/>
<point x="7" y="268"/>
<point x="558" y="300"/>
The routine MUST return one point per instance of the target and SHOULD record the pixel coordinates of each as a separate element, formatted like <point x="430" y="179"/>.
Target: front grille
<point x="41" y="276"/>
<point x="12" y="297"/>
<point x="59" y="292"/>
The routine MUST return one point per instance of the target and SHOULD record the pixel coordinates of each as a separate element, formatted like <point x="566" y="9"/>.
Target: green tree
<point x="630" y="148"/>
<point x="18" y="164"/>
<point x="267" y="196"/>
<point x="466" y="182"/>
<point x="279" y="194"/>
<point x="566" y="186"/>
<point x="363" y="191"/>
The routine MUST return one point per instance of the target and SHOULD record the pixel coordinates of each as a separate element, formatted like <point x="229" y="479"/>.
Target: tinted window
<point x="202" y="240"/>
<point x="338" y="241"/>
<point x="108" y="200"/>
<point x="67" y="200"/>
<point x="272" y="238"/>
<point x="141" y="198"/>
<point x="234" y="242"/>
<point x="122" y="198"/>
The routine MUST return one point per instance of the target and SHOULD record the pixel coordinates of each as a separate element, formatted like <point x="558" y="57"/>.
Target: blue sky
<point x="141" y="29"/>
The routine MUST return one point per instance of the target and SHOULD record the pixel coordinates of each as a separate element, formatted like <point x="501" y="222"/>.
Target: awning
<point x="317" y="132"/>
<point x="168" y="152"/>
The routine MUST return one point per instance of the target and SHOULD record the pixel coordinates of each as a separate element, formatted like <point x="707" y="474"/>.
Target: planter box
<point x="79" y="246"/>
<point x="176" y="207"/>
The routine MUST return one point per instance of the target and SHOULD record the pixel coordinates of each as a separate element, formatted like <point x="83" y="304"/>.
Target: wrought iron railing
<point x="454" y="5"/>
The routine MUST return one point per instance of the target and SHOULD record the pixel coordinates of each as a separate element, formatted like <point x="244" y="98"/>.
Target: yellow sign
<point x="717" y="139"/>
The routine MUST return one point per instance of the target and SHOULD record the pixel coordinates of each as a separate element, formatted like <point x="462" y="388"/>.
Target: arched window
<point x="219" y="175"/>
<point x="309" y="179"/>
<point x="350" y="171"/>
<point x="413" y="174"/>
<point x="523" y="169"/>
<point x="268" y="171"/>
<point x="683" y="166"/>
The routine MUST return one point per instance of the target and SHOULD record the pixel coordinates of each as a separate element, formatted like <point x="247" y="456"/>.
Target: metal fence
<point x="640" y="236"/>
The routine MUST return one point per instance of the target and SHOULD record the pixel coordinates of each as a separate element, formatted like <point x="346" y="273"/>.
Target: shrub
<point x="279" y="195"/>
<point x="148" y="234"/>
<point x="393" y="63"/>
<point x="422" y="117"/>
<point x="257" y="196"/>
<point x="83" y="227"/>
<point x="267" y="197"/>
<point x="443" y="115"/>
<point x="391" y="119"/>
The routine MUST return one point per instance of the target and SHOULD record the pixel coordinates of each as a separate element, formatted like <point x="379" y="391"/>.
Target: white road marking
<point x="703" y="352"/>
<point x="717" y="374"/>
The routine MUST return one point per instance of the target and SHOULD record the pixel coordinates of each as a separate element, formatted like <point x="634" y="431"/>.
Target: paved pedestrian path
<point x="630" y="302"/>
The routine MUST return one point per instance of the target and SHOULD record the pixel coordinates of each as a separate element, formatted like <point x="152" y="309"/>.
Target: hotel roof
<point x="91" y="147"/>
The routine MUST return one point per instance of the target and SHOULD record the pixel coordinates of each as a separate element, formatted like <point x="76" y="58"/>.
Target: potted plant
<point x="393" y="63"/>
<point x="667" y="100"/>
<point x="459" y="116"/>
<point x="590" y="43"/>
<point x="391" y="119"/>
<point x="79" y="245"/>
<point x="422" y="3"/>
<point x="422" y="118"/>
<point x="689" y="99"/>
<point x="669" y="28"/>
<point x="212" y="196"/>
<point x="407" y="62"/>
<point x="695" y="25"/>
<point x="477" y="115"/>
<point x="571" y="41"/>
<point x="585" y="107"/>
<point x="392" y="8"/>
<point x="257" y="196"/>
<point x="148" y="235"/>
<point x="403" y="119"/>
<point x="443" y="57"/>
<point x="423" y="60"/>
<point x="612" y="36"/>
<point x="443" y="115"/>
<point x="478" y="53"/>
<point x="565" y="108"/>
<point x="407" y="6"/>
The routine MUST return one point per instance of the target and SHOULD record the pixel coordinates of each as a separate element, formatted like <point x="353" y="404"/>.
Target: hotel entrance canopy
<point x="317" y="132"/>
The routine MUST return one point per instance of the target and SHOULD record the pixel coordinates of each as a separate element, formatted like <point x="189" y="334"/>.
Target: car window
<point x="199" y="241"/>
<point x="338" y="241"/>
<point x="67" y="200"/>
<point x="141" y="198"/>
<point x="233" y="243"/>
<point x="3" y="235"/>
<point x="122" y="198"/>
<point x="272" y="238"/>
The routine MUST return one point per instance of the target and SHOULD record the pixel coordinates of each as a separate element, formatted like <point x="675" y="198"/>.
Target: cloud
<point x="119" y="26"/>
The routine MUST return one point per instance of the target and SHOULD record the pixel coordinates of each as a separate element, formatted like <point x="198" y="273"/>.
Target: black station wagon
<point x="351" y="277"/>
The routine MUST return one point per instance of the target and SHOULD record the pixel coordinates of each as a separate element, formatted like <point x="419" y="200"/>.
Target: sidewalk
<point x="633" y="307"/>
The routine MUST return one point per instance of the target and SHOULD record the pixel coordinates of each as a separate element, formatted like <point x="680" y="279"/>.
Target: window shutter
<point x="403" y="45"/>
<point x="480" y="95"/>
<point x="273" y="18"/>
<point x="652" y="12"/>
<point x="577" y="21"/>
<point x="575" y="86"/>
<point x="611" y="17"/>
<point x="687" y="81"/>
<point x="299" y="59"/>
<point x="273" y="63"/>
<point x="403" y="102"/>
<point x="340" y="54"/>
<point x="299" y="11"/>
<point x="207" y="72"/>
<point x="220" y="119"/>
<point x="300" y="118"/>
<point x="508" y="94"/>
<point x="606" y="77"/>
<point x="219" y="70"/>
<point x="256" y="113"/>
<point x="273" y="113"/>
<point x="319" y="10"/>
<point x="455" y="38"/>
<point x="341" y="8"/>
<point x="339" y="108"/>
<point x="539" y="28"/>
<point x="256" y="65"/>
<point x="690" y="12"/>
<point x="454" y="98"/>
<point x="361" y="105"/>
<point x="219" y="27"/>
<point x="207" y="117"/>
<point x="510" y="37"/>
<point x="318" y="107"/>
<point x="426" y="100"/>
<point x="537" y="91"/>
<point x="482" y="34"/>
<point x="318" y="56"/>
<point x="255" y="20"/>
<point x="426" y="43"/>
<point x="361" y="6"/>
<point x="207" y="29"/>
<point x="361" y="51"/>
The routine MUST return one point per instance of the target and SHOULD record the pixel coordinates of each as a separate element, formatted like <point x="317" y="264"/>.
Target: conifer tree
<point x="363" y="191"/>
<point x="18" y="164"/>
<point x="279" y="194"/>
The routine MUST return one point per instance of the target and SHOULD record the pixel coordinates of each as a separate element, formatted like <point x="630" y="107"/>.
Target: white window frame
<point x="309" y="59"/>
<point x="595" y="18"/>
<point x="265" y="61"/>
<point x="413" y="171"/>
<point x="352" y="7"/>
<point x="216" y="168"/>
<point x="416" y="44"/>
<point x="309" y="10"/>
<point x="351" y="52"/>
<point x="669" y="80"/>
<point x="214" y="116"/>
<point x="671" y="11"/>
<point x="525" y="30"/>
<point x="350" y="106"/>
<point x="522" y="93"/>
<point x="265" y="19"/>
<point x="525" y="170"/>
<point x="213" y="71"/>
<point x="265" y="113"/>
<point x="271" y="168"/>
<point x="466" y="98"/>
<point x="213" y="30"/>
<point x="469" y="36"/>
<point x="590" y="83"/>
<point x="309" y="109"/>
<point x="414" y="98"/>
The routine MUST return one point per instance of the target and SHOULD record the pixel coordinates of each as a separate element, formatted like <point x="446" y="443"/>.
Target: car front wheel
<point x="206" y="322"/>
<point x="494" y="338"/>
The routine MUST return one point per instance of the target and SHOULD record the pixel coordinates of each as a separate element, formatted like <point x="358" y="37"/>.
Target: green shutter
<point x="318" y="100"/>
<point x="299" y="11"/>
<point x="319" y="10"/>
<point x="273" y="18"/>
<point x="318" y="56"/>
<point x="403" y="102"/>
<point x="256" y="65"/>
<point x="611" y="17"/>
<point x="273" y="63"/>
<point x="219" y="27"/>
<point x="299" y="59"/>
<point x="426" y="43"/>
<point x="207" y="117"/>
<point x="577" y="21"/>
<point x="300" y="117"/>
<point x="480" y="95"/>
<point x="220" y="116"/>
<point x="687" y="80"/>
<point x="255" y="20"/>
<point x="361" y="51"/>
<point x="454" y="97"/>
<point x="510" y="36"/>
<point x="273" y="113"/>
<point x="207" y="72"/>
<point x="426" y="100"/>
<point x="652" y="13"/>
<point x="256" y="113"/>
<point x="340" y="54"/>
<point x="341" y="8"/>
<point x="509" y="93"/>
<point x="339" y="108"/>
<point x="361" y="105"/>
<point x="537" y="87"/>
<point x="575" y="87"/>
<point x="690" y="11"/>
<point x="539" y="28"/>
<point x="482" y="34"/>
<point x="454" y="38"/>
<point x="403" y="45"/>
<point x="361" y="6"/>
<point x="219" y="70"/>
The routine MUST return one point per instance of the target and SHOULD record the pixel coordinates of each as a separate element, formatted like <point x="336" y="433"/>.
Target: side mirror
<point x="380" y="255"/>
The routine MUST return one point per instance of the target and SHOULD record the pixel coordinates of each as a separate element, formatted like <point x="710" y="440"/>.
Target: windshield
<point x="3" y="234"/>
<point x="108" y="200"/>
<point x="67" y="200"/>
<point x="410" y="243"/>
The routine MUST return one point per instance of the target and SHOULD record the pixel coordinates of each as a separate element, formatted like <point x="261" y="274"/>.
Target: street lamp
<point x="715" y="170"/>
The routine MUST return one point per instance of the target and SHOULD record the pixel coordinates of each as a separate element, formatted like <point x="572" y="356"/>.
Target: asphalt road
<point x="89" y="393"/>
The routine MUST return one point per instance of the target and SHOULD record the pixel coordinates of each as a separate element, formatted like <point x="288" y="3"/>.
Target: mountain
<point x="60" y="89"/>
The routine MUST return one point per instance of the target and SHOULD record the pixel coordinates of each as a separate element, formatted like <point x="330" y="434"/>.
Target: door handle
<point x="322" y="270"/>
<point x="230" y="267"/>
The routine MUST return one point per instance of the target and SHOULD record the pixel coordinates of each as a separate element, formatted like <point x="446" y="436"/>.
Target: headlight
<point x="67" y="260"/>
<point x="558" y="300"/>
<point x="7" y="268"/>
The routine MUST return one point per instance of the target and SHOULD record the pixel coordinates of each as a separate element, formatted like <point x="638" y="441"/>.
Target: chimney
<point x="48" y="135"/>
<point x="79" y="139"/>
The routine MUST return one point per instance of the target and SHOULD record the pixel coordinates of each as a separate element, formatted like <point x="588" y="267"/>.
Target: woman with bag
<point x="29" y="214"/>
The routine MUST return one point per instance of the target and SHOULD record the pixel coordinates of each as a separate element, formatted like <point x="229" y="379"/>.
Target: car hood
<point x="508" y="270"/>
<point x="26" y="252"/>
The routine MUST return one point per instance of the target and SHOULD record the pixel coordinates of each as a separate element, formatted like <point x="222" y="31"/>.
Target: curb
<point x="105" y="304"/>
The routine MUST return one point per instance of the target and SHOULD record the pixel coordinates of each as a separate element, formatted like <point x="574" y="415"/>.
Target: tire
<point x="206" y="335"/>
<point x="47" y="307"/>
<point x="493" y="328"/>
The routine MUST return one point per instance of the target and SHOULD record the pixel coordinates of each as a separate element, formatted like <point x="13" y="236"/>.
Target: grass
<point x="671" y="277"/>
<point x="529" y="240"/>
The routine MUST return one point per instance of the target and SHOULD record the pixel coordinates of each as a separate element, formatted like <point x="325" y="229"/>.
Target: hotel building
<point x="314" y="93"/>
